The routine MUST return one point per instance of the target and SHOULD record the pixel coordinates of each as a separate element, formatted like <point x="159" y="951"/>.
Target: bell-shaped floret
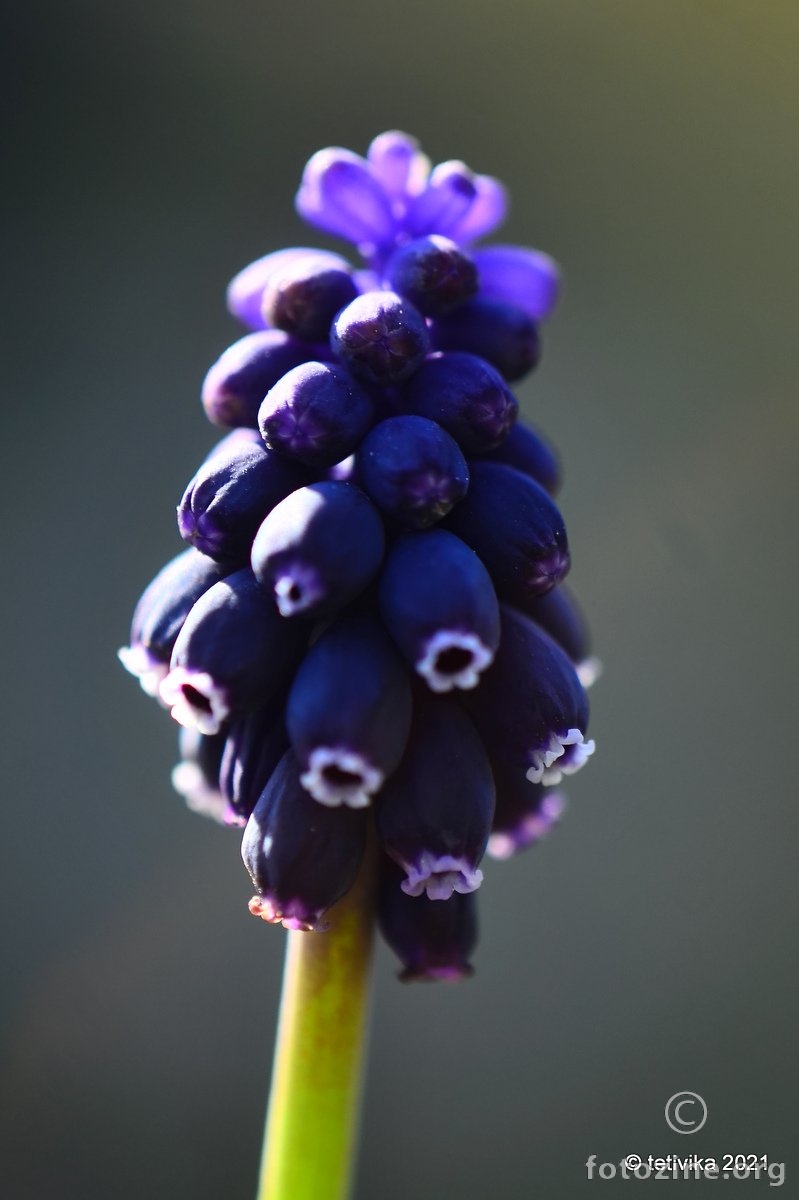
<point x="301" y="856"/>
<point x="439" y="605"/>
<point x="520" y="276"/>
<point x="304" y="298"/>
<point x="160" y="613"/>
<point x="349" y="712"/>
<point x="444" y="201"/>
<point x="530" y="453"/>
<point x="315" y="414"/>
<point x="434" y="814"/>
<point x="400" y="166"/>
<point x="236" y="384"/>
<point x="232" y="655"/>
<point x="466" y="396"/>
<point x="245" y="293"/>
<point x="253" y="747"/>
<point x="515" y="528"/>
<point x="499" y="332"/>
<point x="525" y="812"/>
<point x="531" y="709"/>
<point x="228" y="498"/>
<point x="434" y="273"/>
<point x="433" y="939"/>
<point x="380" y="337"/>
<point x="319" y="548"/>
<point x="413" y="470"/>
<point x="559" y="614"/>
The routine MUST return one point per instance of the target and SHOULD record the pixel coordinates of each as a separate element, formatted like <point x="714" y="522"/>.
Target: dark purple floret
<point x="515" y="528"/>
<point x="234" y="653"/>
<point x="160" y="613"/>
<point x="238" y="381"/>
<point x="246" y="290"/>
<point x="301" y="856"/>
<point x="196" y="776"/>
<point x="413" y="470"/>
<point x="520" y="276"/>
<point x="434" y="814"/>
<point x="559" y="614"/>
<point x="529" y="452"/>
<point x="466" y="396"/>
<point x="316" y="414"/>
<point x="304" y="299"/>
<point x="439" y="605"/>
<point x="531" y="709"/>
<point x="319" y="548"/>
<point x="433" y="939"/>
<point x="434" y="273"/>
<point x="230" y="495"/>
<point x="380" y="337"/>
<point x="525" y="812"/>
<point x="501" y="333"/>
<point x="252" y="749"/>
<point x="349" y="712"/>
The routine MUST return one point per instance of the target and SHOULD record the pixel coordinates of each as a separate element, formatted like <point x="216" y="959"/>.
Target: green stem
<point x="313" y="1111"/>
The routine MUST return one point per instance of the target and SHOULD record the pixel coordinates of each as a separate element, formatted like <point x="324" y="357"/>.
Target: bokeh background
<point x="648" y="947"/>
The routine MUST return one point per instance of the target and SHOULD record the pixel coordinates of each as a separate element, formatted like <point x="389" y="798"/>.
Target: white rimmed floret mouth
<point x="563" y="756"/>
<point x="148" y="670"/>
<point x="297" y="589"/>
<point x="453" y="659"/>
<point x="529" y="829"/>
<point x="439" y="876"/>
<point x="589" y="670"/>
<point x="195" y="700"/>
<point x="337" y="776"/>
<point x="293" y="915"/>
<point x="189" y="782"/>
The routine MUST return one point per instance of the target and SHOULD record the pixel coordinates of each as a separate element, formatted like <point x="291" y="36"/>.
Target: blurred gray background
<point x="648" y="947"/>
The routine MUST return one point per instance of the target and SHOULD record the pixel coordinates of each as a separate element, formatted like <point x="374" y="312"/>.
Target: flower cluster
<point x="369" y="620"/>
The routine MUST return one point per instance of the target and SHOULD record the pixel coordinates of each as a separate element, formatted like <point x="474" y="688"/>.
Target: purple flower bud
<point x="525" y="813"/>
<point x="413" y="470"/>
<point x="485" y="213"/>
<point x="520" y="276"/>
<point x="515" y="528"/>
<point x="233" y="654"/>
<point x="501" y="333"/>
<point x="237" y="382"/>
<point x="304" y="298"/>
<point x="349" y="712"/>
<point x="398" y="164"/>
<point x="530" y="453"/>
<point x="196" y="776"/>
<point x="301" y="856"/>
<point x="433" y="939"/>
<point x="252" y="749"/>
<point x="316" y="414"/>
<point x="434" y="273"/>
<point x="439" y="605"/>
<point x="230" y="495"/>
<point x="560" y="616"/>
<point x="531" y="709"/>
<point x="466" y="396"/>
<point x="319" y="548"/>
<point x="434" y="814"/>
<point x="380" y="337"/>
<point x="160" y="613"/>
<point x="449" y="195"/>
<point x="341" y="194"/>
<point x="246" y="290"/>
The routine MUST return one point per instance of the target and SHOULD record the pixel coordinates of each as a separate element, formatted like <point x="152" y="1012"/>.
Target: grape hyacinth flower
<point x="368" y="642"/>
